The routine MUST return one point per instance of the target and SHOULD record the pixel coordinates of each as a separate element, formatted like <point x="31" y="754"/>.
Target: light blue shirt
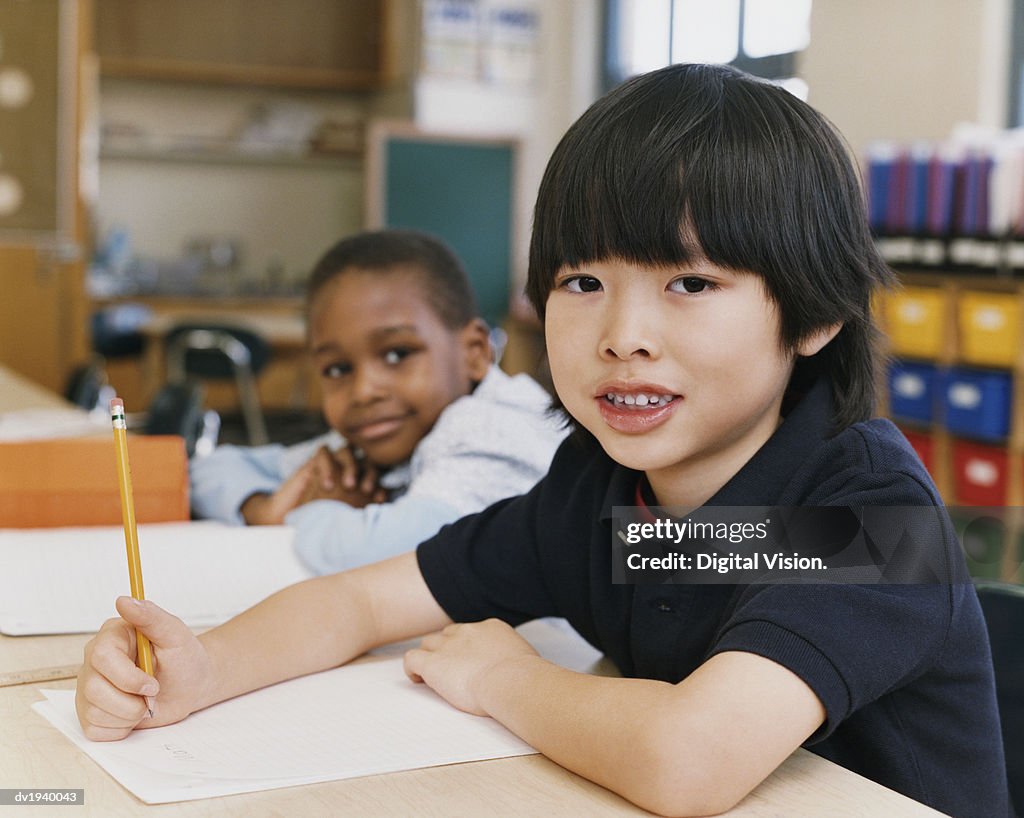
<point x="494" y="443"/>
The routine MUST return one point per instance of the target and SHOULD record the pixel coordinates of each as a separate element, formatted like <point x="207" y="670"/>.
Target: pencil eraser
<point x="116" y="403"/>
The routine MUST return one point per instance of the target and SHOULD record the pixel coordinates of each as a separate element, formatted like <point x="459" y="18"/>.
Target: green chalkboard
<point x="461" y="191"/>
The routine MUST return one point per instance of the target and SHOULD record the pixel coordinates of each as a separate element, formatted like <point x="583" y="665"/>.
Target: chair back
<point x="87" y="387"/>
<point x="1003" y="606"/>
<point x="116" y="331"/>
<point x="214" y="351"/>
<point x="177" y="409"/>
<point x="222" y="352"/>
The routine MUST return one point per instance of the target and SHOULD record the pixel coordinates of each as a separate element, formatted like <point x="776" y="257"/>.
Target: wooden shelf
<point x="271" y="76"/>
<point x="224" y="157"/>
<point x="313" y="44"/>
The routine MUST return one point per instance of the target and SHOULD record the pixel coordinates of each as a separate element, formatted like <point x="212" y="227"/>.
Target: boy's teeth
<point x="640" y="399"/>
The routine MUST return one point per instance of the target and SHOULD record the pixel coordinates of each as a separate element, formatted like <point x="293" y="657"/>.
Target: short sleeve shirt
<point x="903" y="671"/>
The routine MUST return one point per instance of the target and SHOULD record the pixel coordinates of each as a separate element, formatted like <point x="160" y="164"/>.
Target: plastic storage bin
<point x="914" y="320"/>
<point x="989" y="328"/>
<point x="912" y="391"/>
<point x="977" y="403"/>
<point x="979" y="473"/>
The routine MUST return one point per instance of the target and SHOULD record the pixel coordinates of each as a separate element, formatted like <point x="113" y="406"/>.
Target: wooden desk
<point x="33" y="652"/>
<point x="18" y="392"/>
<point x="33" y="754"/>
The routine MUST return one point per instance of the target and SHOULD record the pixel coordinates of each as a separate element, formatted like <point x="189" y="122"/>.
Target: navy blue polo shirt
<point x="904" y="671"/>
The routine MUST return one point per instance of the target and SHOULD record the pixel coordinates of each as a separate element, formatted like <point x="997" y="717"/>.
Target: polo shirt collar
<point x="764" y="477"/>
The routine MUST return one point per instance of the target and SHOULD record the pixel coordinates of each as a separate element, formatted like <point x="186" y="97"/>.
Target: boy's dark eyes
<point x="691" y="284"/>
<point x="581" y="284"/>
<point x="392" y="356"/>
<point x="335" y="370"/>
<point x="395" y="355"/>
<point x="589" y="284"/>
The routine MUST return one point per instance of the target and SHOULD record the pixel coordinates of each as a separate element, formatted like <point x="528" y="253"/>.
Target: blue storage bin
<point x="977" y="403"/>
<point x="912" y="389"/>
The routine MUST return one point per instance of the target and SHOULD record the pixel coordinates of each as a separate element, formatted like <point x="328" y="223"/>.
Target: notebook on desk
<point x="65" y="580"/>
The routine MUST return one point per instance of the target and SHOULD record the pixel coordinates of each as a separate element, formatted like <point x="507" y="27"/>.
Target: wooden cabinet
<point x="42" y="309"/>
<point x="42" y="314"/>
<point x="330" y="44"/>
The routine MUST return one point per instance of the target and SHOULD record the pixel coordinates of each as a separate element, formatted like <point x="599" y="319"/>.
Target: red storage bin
<point x="979" y="474"/>
<point x="923" y="445"/>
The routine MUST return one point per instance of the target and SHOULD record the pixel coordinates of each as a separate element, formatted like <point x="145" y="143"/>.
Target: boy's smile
<point x="377" y="428"/>
<point x="388" y="364"/>
<point x="633" y="408"/>
<point x="677" y="371"/>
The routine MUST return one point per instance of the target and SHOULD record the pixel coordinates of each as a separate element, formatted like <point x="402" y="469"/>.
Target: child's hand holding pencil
<point x="112" y="693"/>
<point x="131" y="533"/>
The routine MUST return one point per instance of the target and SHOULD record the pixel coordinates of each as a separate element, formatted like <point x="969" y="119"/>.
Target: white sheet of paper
<point x="44" y="423"/>
<point x="65" y="580"/>
<point x="362" y="719"/>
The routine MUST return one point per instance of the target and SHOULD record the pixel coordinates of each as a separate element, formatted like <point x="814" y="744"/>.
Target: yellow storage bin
<point x="989" y="328"/>
<point x="913" y="321"/>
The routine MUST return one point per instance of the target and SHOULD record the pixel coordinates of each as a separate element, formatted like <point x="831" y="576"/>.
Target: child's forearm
<point x="685" y="749"/>
<point x="305" y="628"/>
<point x="601" y="729"/>
<point x="252" y="509"/>
<point x="318" y="624"/>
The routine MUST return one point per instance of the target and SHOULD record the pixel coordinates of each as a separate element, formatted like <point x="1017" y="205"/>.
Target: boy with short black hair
<point x="703" y="264"/>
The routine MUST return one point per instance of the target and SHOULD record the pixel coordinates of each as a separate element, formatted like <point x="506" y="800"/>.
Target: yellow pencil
<point x="131" y="533"/>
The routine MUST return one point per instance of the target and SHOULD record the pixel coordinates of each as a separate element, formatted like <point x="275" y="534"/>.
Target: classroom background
<point x="170" y="171"/>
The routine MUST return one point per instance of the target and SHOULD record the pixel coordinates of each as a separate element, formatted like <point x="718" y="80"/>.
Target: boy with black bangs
<point x="704" y="268"/>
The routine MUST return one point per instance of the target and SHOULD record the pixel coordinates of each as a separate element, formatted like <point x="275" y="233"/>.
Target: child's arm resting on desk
<point x="693" y="748"/>
<point x="308" y="627"/>
<point x="221" y="482"/>
<point x="326" y="475"/>
<point x="331" y="536"/>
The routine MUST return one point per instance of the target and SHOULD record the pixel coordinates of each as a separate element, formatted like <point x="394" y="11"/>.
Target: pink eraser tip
<point x="116" y="402"/>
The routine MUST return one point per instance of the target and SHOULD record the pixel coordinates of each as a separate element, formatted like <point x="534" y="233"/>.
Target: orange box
<point x="913" y="318"/>
<point x="73" y="481"/>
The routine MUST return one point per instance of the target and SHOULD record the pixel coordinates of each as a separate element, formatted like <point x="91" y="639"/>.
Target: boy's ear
<point x="815" y="341"/>
<point x="475" y="339"/>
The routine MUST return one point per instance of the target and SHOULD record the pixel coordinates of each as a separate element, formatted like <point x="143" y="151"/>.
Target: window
<point x="762" y="37"/>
